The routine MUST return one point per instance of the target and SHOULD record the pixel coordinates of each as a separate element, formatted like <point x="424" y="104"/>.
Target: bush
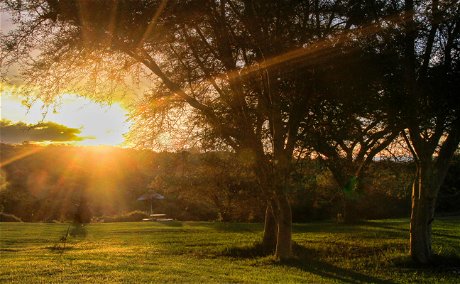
<point x="133" y="216"/>
<point x="4" y="217"/>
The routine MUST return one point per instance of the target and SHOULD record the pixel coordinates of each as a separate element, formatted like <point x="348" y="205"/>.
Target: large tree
<point x="430" y="57"/>
<point x="418" y="46"/>
<point x="242" y="71"/>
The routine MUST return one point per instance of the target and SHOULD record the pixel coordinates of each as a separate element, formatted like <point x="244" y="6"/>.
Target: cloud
<point x="19" y="132"/>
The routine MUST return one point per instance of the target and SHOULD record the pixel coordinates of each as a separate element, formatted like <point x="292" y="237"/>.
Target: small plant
<point x="61" y="244"/>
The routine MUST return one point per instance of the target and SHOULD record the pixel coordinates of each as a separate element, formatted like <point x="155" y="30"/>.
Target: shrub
<point x="4" y="217"/>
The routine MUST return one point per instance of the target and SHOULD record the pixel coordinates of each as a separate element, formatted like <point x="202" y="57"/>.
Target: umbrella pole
<point x="151" y="204"/>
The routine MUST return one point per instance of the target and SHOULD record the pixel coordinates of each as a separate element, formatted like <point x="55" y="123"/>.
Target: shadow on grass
<point x="170" y="223"/>
<point x="389" y="228"/>
<point x="77" y="230"/>
<point x="440" y="263"/>
<point x="454" y="238"/>
<point x="252" y="251"/>
<point x="59" y="248"/>
<point x="304" y="260"/>
<point x="8" y="250"/>
<point x="357" y="226"/>
<point x="229" y="227"/>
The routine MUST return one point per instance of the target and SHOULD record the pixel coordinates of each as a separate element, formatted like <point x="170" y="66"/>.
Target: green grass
<point x="197" y="252"/>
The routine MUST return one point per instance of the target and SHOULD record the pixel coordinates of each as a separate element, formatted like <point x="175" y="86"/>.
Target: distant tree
<point x="48" y="183"/>
<point x="449" y="194"/>
<point x="214" y="179"/>
<point x="352" y="122"/>
<point x="15" y="198"/>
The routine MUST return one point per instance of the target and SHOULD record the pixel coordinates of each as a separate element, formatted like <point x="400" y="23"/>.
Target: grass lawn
<point x="197" y="252"/>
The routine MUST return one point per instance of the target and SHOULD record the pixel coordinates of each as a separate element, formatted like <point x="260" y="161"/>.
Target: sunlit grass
<point x="204" y="252"/>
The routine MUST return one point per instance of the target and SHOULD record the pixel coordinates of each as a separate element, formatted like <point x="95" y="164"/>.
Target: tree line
<point x="213" y="186"/>
<point x="267" y="79"/>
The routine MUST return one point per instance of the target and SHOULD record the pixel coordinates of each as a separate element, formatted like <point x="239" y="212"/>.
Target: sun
<point x="99" y="124"/>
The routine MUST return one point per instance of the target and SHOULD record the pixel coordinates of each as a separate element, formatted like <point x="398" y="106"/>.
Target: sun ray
<point x="112" y="21"/>
<point x="153" y="22"/>
<point x="82" y="14"/>
<point x="316" y="51"/>
<point x="100" y="186"/>
<point x="64" y="194"/>
<point x="21" y="156"/>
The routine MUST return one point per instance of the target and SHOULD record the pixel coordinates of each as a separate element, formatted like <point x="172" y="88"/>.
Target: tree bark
<point x="425" y="189"/>
<point x="284" y="234"/>
<point x="424" y="193"/>
<point x="429" y="176"/>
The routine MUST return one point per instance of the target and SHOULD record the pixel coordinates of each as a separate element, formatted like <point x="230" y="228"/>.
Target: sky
<point x="77" y="121"/>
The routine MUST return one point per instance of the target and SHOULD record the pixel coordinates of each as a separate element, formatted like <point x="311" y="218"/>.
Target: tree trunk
<point x="346" y="179"/>
<point x="278" y="217"/>
<point x="424" y="192"/>
<point x="284" y="234"/>
<point x="429" y="176"/>
<point x="350" y="215"/>
<point x="270" y="229"/>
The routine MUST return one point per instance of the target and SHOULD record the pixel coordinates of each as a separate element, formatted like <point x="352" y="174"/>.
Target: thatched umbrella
<point x="151" y="195"/>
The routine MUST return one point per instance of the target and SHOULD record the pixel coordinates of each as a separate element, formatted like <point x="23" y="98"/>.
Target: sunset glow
<point x="96" y="123"/>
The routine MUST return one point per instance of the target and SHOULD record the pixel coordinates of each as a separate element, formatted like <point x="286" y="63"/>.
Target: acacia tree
<point x="237" y="68"/>
<point x="217" y="180"/>
<point x="347" y="150"/>
<point x="430" y="57"/>
<point x="352" y="121"/>
<point x="420" y="42"/>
